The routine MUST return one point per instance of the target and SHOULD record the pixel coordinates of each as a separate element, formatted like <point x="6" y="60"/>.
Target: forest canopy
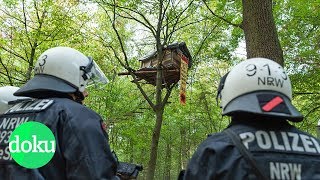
<point x="119" y="33"/>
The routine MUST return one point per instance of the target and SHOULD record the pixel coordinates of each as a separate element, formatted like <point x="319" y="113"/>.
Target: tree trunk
<point x="159" y="107"/>
<point x="167" y="167"/>
<point x="131" y="150"/>
<point x="184" y="151"/>
<point x="154" y="145"/>
<point x="142" y="159"/>
<point x="31" y="60"/>
<point x="260" y="30"/>
<point x="179" y="162"/>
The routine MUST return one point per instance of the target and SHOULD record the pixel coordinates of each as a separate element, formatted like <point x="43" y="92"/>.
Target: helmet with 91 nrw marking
<point x="258" y="86"/>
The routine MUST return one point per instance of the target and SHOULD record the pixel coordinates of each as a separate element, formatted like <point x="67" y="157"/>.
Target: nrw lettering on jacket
<point x="285" y="171"/>
<point x="12" y="123"/>
<point x="281" y="141"/>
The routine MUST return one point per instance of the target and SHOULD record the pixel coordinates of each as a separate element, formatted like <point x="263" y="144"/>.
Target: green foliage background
<point x="27" y="28"/>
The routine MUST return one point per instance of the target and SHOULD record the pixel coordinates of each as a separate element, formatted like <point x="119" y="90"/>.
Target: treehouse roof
<point x="175" y="46"/>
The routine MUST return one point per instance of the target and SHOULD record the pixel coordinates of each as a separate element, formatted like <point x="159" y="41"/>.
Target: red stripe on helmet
<point x="272" y="104"/>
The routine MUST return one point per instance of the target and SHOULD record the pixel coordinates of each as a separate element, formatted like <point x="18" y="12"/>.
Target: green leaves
<point x="212" y="35"/>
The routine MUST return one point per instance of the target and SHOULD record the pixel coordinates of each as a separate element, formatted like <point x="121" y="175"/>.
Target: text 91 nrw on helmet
<point x="258" y="86"/>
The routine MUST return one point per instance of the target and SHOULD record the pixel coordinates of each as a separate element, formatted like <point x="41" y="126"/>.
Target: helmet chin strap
<point x="79" y="97"/>
<point x="220" y="87"/>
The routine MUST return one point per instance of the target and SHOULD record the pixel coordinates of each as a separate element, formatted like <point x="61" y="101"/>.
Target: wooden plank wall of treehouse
<point x="170" y="64"/>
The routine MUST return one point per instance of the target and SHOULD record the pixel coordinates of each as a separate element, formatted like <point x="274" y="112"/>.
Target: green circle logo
<point x="32" y="145"/>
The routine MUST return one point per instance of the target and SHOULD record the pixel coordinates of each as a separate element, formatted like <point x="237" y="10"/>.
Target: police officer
<point x="59" y="87"/>
<point x="259" y="143"/>
<point x="8" y="171"/>
<point x="7" y="99"/>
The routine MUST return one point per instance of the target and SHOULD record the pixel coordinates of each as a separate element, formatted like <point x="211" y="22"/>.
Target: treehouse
<point x="172" y="56"/>
<point x="171" y="64"/>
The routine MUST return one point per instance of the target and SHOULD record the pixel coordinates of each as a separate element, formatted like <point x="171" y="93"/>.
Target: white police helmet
<point x="62" y="70"/>
<point x="258" y="86"/>
<point x="7" y="99"/>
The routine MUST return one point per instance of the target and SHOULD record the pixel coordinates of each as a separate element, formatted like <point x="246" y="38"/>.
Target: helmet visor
<point x="97" y="78"/>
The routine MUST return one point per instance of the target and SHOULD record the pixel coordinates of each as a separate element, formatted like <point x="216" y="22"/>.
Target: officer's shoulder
<point x="71" y="106"/>
<point x="217" y="137"/>
<point x="216" y="142"/>
<point x="65" y="102"/>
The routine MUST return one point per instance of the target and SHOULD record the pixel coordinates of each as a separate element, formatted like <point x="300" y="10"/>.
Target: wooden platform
<point x="173" y="55"/>
<point x="170" y="76"/>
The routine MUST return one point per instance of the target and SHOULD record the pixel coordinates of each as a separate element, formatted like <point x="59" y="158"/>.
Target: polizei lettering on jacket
<point x="281" y="141"/>
<point x="30" y="106"/>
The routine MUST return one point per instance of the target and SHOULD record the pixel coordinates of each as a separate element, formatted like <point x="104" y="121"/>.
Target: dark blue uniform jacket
<point x="280" y="150"/>
<point x="82" y="149"/>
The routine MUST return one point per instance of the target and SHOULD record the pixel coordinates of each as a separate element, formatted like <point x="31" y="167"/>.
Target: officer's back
<point x="58" y="88"/>
<point x="257" y="94"/>
<point x="8" y="168"/>
<point x="68" y="121"/>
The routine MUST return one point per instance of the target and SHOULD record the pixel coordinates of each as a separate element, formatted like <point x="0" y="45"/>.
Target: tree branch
<point x="37" y="12"/>
<point x="25" y="22"/>
<point x="203" y="41"/>
<point x="305" y="93"/>
<point x="135" y="19"/>
<point x="14" y="53"/>
<point x="149" y="25"/>
<point x="181" y="27"/>
<point x="11" y="16"/>
<point x="220" y="17"/>
<point x="12" y="78"/>
<point x="7" y="72"/>
<point x="126" y="64"/>
<point x="168" y="93"/>
<point x="177" y="20"/>
<point x="146" y="97"/>
<point x="311" y="111"/>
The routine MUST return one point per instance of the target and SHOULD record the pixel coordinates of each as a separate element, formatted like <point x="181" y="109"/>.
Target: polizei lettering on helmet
<point x="281" y="141"/>
<point x="34" y="146"/>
